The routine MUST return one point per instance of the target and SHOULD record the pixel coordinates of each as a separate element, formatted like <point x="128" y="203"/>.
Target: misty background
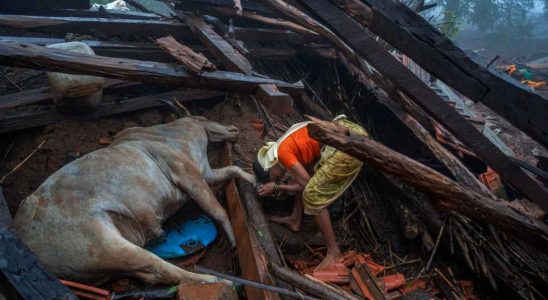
<point x="517" y="30"/>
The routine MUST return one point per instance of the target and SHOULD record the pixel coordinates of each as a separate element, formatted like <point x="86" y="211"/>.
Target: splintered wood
<point x="195" y="62"/>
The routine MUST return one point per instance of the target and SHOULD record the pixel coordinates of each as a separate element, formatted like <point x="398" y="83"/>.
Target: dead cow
<point x="91" y="218"/>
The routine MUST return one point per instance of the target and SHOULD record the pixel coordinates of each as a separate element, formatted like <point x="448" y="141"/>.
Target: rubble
<point x="451" y="203"/>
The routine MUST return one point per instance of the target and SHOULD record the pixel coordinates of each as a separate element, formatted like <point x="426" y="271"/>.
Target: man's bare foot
<point x="329" y="261"/>
<point x="290" y="222"/>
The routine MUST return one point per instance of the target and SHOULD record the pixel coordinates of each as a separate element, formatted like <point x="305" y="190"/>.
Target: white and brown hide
<point x="91" y="218"/>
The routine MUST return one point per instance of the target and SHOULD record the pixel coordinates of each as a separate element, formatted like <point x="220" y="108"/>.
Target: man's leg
<point x="323" y="220"/>
<point x="293" y="221"/>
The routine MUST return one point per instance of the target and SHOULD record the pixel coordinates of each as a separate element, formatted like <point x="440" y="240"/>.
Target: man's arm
<point x="299" y="182"/>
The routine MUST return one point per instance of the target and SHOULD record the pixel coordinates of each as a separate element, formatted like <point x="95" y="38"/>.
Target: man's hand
<point x="267" y="189"/>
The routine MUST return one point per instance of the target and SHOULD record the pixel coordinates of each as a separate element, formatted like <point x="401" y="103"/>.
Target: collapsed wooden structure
<point x="501" y="244"/>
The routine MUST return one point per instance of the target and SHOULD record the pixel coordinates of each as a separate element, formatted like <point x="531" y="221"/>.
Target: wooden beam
<point x="149" y="51"/>
<point x="84" y="13"/>
<point x="93" y="26"/>
<point x="446" y="193"/>
<point x="253" y="16"/>
<point x="368" y="48"/>
<point x="410" y="33"/>
<point x="37" y="57"/>
<point x="126" y="28"/>
<point x="14" y="123"/>
<point x="24" y="272"/>
<point x="40" y="4"/>
<point x="404" y="110"/>
<point x="252" y="258"/>
<point x="268" y="94"/>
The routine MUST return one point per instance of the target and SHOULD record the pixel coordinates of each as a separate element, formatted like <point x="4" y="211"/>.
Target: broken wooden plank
<point x="35" y="96"/>
<point x="250" y="254"/>
<point x="196" y="62"/>
<point x="446" y="193"/>
<point x="413" y="35"/>
<point x="149" y="51"/>
<point x="94" y="26"/>
<point x="43" y="95"/>
<point x="308" y="285"/>
<point x="368" y="48"/>
<point x="260" y="227"/>
<point x="23" y="271"/>
<point x="14" y="123"/>
<point x="37" y="57"/>
<point x="367" y="282"/>
<point x="269" y="95"/>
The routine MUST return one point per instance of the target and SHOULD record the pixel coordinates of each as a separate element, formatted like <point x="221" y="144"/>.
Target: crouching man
<point x="319" y="175"/>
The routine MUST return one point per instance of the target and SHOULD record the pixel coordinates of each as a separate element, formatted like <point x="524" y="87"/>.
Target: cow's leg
<point x="226" y="173"/>
<point x="186" y="177"/>
<point x="120" y="255"/>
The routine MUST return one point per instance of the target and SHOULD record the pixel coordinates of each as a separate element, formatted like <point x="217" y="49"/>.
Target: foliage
<point x="503" y="18"/>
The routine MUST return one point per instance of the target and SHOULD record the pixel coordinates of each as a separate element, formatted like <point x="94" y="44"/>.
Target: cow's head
<point x="217" y="132"/>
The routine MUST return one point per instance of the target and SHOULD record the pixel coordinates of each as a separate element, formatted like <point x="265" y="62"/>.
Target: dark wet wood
<point x="368" y="48"/>
<point x="7" y="5"/>
<point x="427" y="46"/>
<point x="43" y="95"/>
<point x="23" y="271"/>
<point x="254" y="6"/>
<point x="409" y="115"/>
<point x="12" y="24"/>
<point x="149" y="51"/>
<point x="447" y="194"/>
<point x="37" y="57"/>
<point x="127" y="28"/>
<point x="367" y="282"/>
<point x="269" y="95"/>
<point x="250" y="254"/>
<point x="14" y="123"/>
<point x="35" y="96"/>
<point x="5" y="216"/>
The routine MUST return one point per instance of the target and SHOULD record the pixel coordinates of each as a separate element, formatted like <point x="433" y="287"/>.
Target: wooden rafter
<point x="233" y="60"/>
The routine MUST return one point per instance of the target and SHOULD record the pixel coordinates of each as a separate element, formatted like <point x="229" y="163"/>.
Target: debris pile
<point x="451" y="202"/>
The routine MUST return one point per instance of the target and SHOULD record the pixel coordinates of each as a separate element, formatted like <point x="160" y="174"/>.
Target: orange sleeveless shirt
<point x="298" y="147"/>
